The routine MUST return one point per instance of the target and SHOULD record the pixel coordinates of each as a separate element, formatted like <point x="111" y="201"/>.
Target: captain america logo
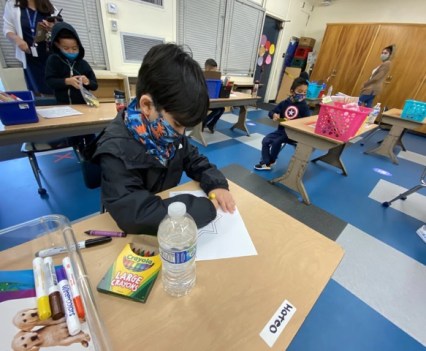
<point x="291" y="112"/>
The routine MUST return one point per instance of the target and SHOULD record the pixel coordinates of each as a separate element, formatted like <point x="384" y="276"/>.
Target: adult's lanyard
<point x="32" y="22"/>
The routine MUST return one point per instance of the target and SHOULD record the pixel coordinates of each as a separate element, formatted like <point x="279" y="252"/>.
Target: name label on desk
<point x="277" y="323"/>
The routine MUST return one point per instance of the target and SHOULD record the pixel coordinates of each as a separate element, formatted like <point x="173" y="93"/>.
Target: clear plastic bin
<point x="19" y="245"/>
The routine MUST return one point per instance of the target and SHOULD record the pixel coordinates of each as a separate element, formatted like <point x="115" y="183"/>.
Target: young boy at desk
<point x="145" y="150"/>
<point x="66" y="69"/>
<point x="293" y="107"/>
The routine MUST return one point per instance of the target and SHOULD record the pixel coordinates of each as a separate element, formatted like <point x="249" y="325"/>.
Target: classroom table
<point x="93" y="120"/>
<point x="236" y="99"/>
<point x="233" y="299"/>
<point x="302" y="130"/>
<point x="393" y="117"/>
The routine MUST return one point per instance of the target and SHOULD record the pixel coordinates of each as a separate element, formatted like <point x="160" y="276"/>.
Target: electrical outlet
<point x="112" y="8"/>
<point x="114" y="25"/>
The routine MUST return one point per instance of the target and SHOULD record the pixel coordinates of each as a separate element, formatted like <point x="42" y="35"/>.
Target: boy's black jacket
<point x="58" y="67"/>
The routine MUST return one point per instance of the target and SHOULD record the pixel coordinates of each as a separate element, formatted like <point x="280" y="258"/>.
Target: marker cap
<point x="60" y="273"/>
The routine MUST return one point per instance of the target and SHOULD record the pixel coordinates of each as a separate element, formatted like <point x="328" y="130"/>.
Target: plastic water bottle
<point x="177" y="236"/>
<point x="373" y="114"/>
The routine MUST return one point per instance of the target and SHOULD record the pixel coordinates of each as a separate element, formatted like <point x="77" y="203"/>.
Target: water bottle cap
<point x="176" y="209"/>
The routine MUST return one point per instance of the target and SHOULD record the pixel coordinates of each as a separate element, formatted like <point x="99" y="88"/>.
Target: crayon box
<point x="133" y="273"/>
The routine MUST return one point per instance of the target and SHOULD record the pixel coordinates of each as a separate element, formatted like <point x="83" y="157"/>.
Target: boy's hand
<point x="222" y="198"/>
<point x="84" y="80"/>
<point x="73" y="81"/>
<point x="276" y="117"/>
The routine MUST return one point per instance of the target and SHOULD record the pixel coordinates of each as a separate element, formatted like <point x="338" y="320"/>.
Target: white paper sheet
<point x="224" y="237"/>
<point x="57" y="112"/>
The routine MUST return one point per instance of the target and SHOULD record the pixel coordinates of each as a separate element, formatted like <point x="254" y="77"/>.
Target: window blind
<point x="200" y="27"/>
<point x="227" y="31"/>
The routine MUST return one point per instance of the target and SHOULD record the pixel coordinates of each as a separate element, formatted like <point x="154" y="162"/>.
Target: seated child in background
<point x="293" y="107"/>
<point x="66" y="69"/>
<point x="144" y="150"/>
<point x="215" y="114"/>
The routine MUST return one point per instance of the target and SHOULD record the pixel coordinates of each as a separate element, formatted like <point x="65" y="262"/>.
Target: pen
<point x="74" y="289"/>
<point x="73" y="323"/>
<point x="81" y="245"/>
<point x="43" y="306"/>
<point x="105" y="233"/>
<point x="55" y="301"/>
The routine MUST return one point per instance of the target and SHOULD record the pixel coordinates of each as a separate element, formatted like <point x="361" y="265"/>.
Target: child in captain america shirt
<point x="293" y="107"/>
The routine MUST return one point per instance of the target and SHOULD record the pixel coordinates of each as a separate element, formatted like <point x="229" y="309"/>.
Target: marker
<point x="73" y="323"/>
<point x="55" y="301"/>
<point x="105" y="233"/>
<point x="81" y="245"/>
<point x="74" y="289"/>
<point x="43" y="307"/>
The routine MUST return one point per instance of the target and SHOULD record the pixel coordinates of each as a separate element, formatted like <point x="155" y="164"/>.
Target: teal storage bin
<point x="313" y="90"/>
<point x="19" y="112"/>
<point x="414" y="110"/>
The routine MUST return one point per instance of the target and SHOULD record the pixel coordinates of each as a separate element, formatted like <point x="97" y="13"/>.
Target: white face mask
<point x="384" y="57"/>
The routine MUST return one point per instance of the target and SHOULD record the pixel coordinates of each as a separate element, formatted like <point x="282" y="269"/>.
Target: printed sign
<point x="277" y="323"/>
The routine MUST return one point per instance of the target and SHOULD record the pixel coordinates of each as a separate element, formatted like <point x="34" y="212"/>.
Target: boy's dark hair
<point x="297" y="83"/>
<point x="65" y="34"/>
<point x="211" y="63"/>
<point x="175" y="82"/>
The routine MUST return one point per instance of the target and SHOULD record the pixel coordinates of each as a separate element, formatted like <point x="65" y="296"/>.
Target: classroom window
<point x="86" y="23"/>
<point x="225" y="30"/>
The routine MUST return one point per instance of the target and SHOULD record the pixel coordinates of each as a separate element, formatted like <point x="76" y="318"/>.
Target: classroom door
<point x="266" y="53"/>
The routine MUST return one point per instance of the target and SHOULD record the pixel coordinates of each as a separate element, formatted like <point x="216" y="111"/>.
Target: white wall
<point x="344" y="11"/>
<point x="137" y="18"/>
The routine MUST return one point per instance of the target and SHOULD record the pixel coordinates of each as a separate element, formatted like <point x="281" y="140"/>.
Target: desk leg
<point x="197" y="134"/>
<point x="293" y="178"/>
<point x="332" y="157"/>
<point x="241" y="123"/>
<point x="388" y="144"/>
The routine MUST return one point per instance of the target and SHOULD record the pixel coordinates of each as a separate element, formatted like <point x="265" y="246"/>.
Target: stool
<point x="404" y="195"/>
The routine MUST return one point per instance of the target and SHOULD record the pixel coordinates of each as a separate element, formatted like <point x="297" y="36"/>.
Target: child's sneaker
<point x="262" y="167"/>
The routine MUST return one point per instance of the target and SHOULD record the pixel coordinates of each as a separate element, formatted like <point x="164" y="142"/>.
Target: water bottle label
<point x="178" y="257"/>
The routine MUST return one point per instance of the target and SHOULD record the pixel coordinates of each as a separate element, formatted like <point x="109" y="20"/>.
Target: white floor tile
<point x="387" y="280"/>
<point x="413" y="157"/>
<point x="414" y="205"/>
<point x="254" y="140"/>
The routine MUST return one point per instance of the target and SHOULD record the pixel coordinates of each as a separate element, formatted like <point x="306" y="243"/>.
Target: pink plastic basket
<point x="340" y="123"/>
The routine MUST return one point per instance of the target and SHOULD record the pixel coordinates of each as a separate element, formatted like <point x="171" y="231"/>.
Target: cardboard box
<point x="307" y="42"/>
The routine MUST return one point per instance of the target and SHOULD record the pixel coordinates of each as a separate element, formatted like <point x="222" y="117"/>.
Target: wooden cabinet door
<point x="343" y="54"/>
<point x="329" y="52"/>
<point x="408" y="64"/>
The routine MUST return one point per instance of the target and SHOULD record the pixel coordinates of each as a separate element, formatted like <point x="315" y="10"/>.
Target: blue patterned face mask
<point x="70" y="56"/>
<point x="158" y="136"/>
<point x="299" y="97"/>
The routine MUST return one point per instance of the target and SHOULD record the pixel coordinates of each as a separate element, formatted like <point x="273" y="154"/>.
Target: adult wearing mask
<point x="374" y="85"/>
<point x="21" y="18"/>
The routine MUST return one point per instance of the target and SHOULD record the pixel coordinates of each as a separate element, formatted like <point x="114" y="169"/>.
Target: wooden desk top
<point x="307" y="126"/>
<point x="235" y="99"/>
<point x="233" y="299"/>
<point x="92" y="120"/>
<point x="91" y="115"/>
<point x="396" y="113"/>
